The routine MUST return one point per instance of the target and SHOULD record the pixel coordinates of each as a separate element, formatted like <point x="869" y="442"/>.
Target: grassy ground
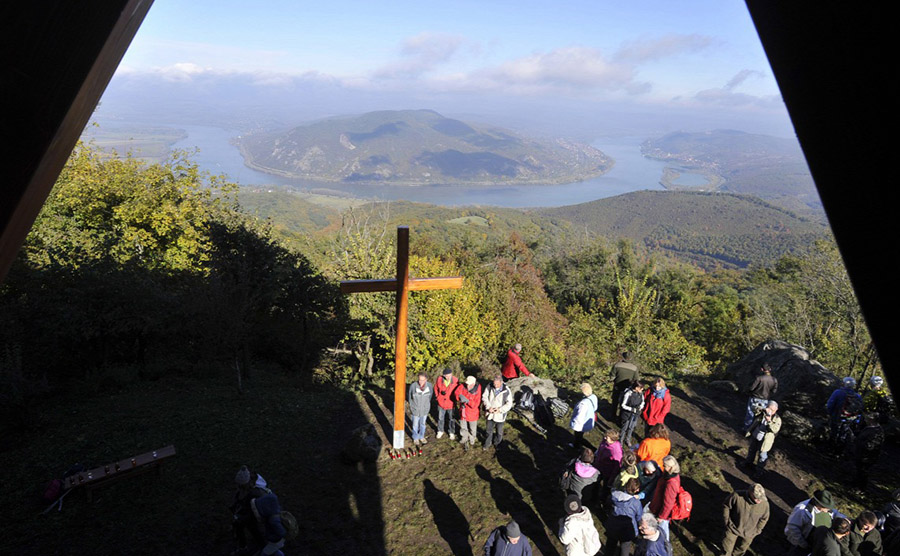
<point x="444" y="502"/>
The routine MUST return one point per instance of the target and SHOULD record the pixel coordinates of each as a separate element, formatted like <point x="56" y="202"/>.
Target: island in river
<point x="418" y="147"/>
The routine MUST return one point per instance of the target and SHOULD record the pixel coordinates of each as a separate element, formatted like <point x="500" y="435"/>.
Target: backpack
<point x="684" y="503"/>
<point x="526" y="399"/>
<point x="289" y="522"/>
<point x="566" y="478"/>
<point x="558" y="407"/>
<point x="853" y="405"/>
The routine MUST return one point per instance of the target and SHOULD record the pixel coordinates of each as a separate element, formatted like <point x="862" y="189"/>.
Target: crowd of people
<point x="635" y="489"/>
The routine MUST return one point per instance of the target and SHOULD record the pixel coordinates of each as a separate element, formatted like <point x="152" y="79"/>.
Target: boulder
<point x="724" y="385"/>
<point x="804" y="429"/>
<point x="804" y="385"/>
<point x="542" y="386"/>
<point x="364" y="444"/>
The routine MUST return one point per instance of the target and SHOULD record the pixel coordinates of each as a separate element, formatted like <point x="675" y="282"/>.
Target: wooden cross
<point x="402" y="284"/>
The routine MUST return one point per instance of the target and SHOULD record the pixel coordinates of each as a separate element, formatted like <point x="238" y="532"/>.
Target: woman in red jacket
<point x="468" y="397"/>
<point x="666" y="493"/>
<point x="444" y="389"/>
<point x="657" y="403"/>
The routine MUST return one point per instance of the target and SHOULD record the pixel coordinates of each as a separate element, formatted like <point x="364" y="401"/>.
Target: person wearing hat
<point x="444" y="388"/>
<point x="498" y="400"/>
<point x="514" y="363"/>
<point x="507" y="540"/>
<point x="583" y="417"/>
<point x="761" y="391"/>
<point x="249" y="486"/>
<point x="624" y="372"/>
<point x="746" y="513"/>
<point x="577" y="531"/>
<point x="817" y="511"/>
<point x="876" y="399"/>
<point x="468" y="397"/>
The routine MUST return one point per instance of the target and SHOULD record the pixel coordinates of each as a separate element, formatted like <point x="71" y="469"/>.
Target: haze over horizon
<point x="582" y="69"/>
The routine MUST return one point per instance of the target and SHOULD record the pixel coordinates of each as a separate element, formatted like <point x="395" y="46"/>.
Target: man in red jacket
<point x="468" y="396"/>
<point x="444" y="387"/>
<point x="513" y="363"/>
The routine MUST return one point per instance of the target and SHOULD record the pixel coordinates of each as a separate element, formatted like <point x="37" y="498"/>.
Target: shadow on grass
<point x="510" y="501"/>
<point x="449" y="519"/>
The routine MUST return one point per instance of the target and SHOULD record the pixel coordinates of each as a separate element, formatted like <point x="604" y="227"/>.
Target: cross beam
<point x="402" y="285"/>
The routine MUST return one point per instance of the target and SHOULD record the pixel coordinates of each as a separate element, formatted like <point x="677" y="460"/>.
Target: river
<point x="632" y="172"/>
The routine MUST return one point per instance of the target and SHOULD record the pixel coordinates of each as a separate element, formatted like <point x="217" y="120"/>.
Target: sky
<point x="695" y="57"/>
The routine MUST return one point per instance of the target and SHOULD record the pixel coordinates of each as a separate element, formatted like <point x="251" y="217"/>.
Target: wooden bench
<point x="104" y="475"/>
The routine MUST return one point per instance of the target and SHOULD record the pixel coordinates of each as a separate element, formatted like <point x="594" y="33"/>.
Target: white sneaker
<point x="452" y="436"/>
<point x="441" y="433"/>
<point x="423" y="440"/>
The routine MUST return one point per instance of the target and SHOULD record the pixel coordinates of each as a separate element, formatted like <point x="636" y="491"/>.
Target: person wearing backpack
<point x="746" y="512"/>
<point x="765" y="425"/>
<point x="624" y="373"/>
<point x="843" y="402"/>
<point x="444" y="387"/>
<point x="579" y="473"/>
<point x="630" y="406"/>
<point x="666" y="494"/>
<point x="583" y="417"/>
<point x="577" y="531"/>
<point x="248" y="486"/>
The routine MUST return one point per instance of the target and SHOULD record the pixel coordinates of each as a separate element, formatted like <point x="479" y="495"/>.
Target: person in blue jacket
<point x="507" y="541"/>
<point x="844" y="397"/>
<point x="268" y="512"/>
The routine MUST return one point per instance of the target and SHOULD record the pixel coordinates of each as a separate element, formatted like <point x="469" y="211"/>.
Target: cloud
<point x="726" y="95"/>
<point x="421" y="54"/>
<point x="637" y="52"/>
<point x="182" y="71"/>
<point x="742" y="76"/>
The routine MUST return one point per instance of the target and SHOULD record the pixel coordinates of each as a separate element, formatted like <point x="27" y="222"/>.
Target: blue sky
<point x="690" y="55"/>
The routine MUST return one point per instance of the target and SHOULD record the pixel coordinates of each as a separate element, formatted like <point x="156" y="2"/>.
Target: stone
<point x="543" y="386"/>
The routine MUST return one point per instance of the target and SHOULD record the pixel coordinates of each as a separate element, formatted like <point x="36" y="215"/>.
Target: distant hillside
<point x="768" y="167"/>
<point x="709" y="229"/>
<point x="416" y="147"/>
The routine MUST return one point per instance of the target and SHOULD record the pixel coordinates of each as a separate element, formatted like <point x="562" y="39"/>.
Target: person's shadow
<point x="451" y="523"/>
<point x="510" y="501"/>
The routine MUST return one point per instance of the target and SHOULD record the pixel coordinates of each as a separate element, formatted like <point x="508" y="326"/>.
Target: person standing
<point x="865" y="538"/>
<point x="498" y="400"/>
<point x="514" y="363"/>
<point x="746" y="512"/>
<point x="444" y="387"/>
<point x="581" y="473"/>
<point x="577" y="530"/>
<point x="630" y="405"/>
<point x="583" y="417"/>
<point x="878" y="400"/>
<point x="761" y="391"/>
<point x="657" y="403"/>
<point x="624" y="518"/>
<point x="763" y="428"/>
<point x="468" y="398"/>
<point x="249" y="486"/>
<point x="666" y="493"/>
<point x="843" y="402"/>
<point x="656" y="446"/>
<point x="267" y="511"/>
<point x="867" y="448"/>
<point x="418" y="398"/>
<point x="831" y="541"/>
<point x="814" y="512"/>
<point x="653" y="541"/>
<point x="507" y="540"/>
<point x="624" y="372"/>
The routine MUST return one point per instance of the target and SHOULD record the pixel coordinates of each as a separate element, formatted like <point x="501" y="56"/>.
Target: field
<point x="446" y="501"/>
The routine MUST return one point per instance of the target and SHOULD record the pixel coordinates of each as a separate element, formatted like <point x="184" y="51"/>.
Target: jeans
<point x="629" y="420"/>
<point x="446" y="414"/>
<point x="418" y="427"/>
<point x="753" y="405"/>
<point x="494" y="433"/>
<point x="755" y="446"/>
<point x="664" y="527"/>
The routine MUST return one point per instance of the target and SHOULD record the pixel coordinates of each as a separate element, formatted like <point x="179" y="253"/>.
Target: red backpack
<point x="683" y="505"/>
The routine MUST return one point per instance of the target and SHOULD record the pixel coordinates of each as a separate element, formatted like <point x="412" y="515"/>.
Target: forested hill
<point x="416" y="147"/>
<point x="706" y="228"/>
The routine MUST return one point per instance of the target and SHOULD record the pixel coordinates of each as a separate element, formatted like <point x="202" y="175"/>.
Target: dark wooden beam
<point x="833" y="64"/>
<point x="58" y="58"/>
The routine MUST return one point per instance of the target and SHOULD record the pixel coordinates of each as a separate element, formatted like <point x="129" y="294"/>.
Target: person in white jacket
<point x="497" y="400"/>
<point x="577" y="530"/>
<point x="584" y="415"/>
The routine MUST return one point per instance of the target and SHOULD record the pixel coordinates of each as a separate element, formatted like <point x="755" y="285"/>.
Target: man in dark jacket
<point x="507" y="541"/>
<point x="268" y="513"/>
<point x="865" y="538"/>
<point x="761" y="391"/>
<point x="867" y="448"/>
<point x="624" y="373"/>
<point x="842" y="403"/>
<point x="746" y="512"/>
<point x="891" y="512"/>
<point x="831" y="541"/>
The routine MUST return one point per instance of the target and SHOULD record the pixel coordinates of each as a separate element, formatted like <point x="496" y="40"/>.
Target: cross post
<point x="402" y="285"/>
